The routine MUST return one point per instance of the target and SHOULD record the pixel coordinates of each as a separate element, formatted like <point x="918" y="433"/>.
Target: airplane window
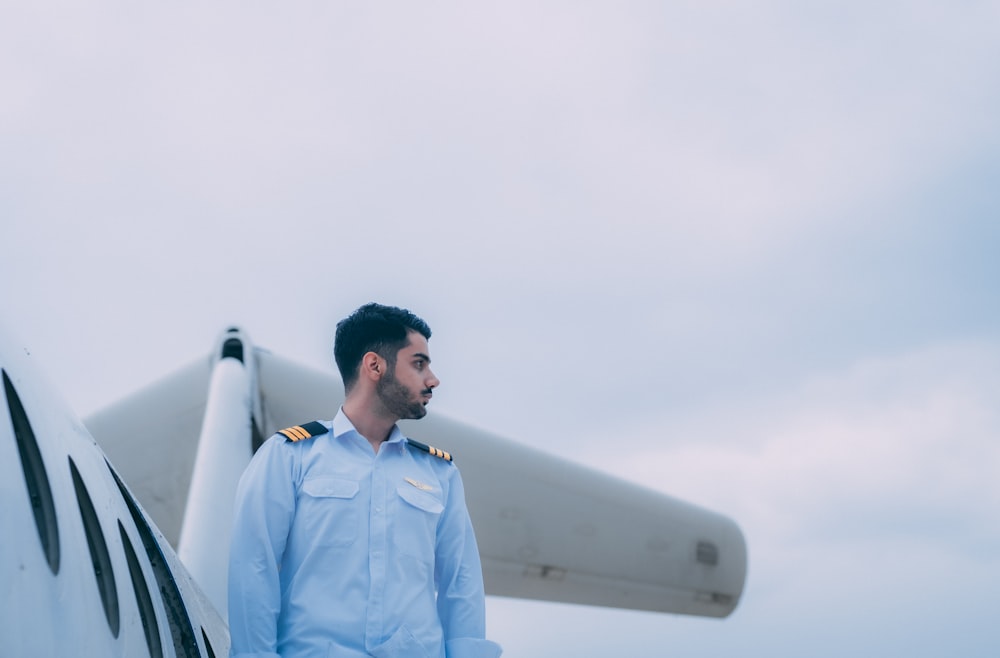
<point x="99" y="557"/>
<point x="181" y="631"/>
<point x="35" y="476"/>
<point x="707" y="553"/>
<point x="208" y="645"/>
<point x="142" y="598"/>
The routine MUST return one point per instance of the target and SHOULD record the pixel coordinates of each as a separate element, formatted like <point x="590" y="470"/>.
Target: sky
<point x="742" y="254"/>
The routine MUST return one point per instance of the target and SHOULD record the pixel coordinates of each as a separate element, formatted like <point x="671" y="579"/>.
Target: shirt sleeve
<point x="459" y="576"/>
<point x="264" y="509"/>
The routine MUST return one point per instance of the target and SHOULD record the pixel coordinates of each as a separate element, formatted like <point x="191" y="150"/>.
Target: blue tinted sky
<point x="743" y="255"/>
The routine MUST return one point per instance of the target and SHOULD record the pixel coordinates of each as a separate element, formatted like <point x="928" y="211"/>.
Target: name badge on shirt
<point x="419" y="485"/>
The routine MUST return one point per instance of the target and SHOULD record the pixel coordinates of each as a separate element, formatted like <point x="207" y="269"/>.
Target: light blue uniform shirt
<point x="338" y="552"/>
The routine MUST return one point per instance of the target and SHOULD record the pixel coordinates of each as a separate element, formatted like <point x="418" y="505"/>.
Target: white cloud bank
<point x="869" y="498"/>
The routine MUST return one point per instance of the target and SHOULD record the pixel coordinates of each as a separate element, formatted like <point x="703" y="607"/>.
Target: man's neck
<point x="375" y="428"/>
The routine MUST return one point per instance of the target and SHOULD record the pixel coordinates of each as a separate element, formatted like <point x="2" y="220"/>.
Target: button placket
<point x="377" y="558"/>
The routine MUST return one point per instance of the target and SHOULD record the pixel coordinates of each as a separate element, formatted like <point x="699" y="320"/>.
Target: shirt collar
<point x="342" y="425"/>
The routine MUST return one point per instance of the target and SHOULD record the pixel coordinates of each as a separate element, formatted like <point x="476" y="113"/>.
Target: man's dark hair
<point x="373" y="328"/>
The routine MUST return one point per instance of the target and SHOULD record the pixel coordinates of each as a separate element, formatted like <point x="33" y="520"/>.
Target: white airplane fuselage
<point x="83" y="570"/>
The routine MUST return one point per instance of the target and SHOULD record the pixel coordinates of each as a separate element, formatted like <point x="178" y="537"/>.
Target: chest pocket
<point x="328" y="508"/>
<point x="415" y="528"/>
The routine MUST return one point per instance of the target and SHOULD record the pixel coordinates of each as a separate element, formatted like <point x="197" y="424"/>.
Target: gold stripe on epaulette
<point x="437" y="452"/>
<point x="304" y="431"/>
<point x="295" y="433"/>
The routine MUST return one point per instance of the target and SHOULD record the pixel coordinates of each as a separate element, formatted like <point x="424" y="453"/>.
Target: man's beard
<point x="397" y="400"/>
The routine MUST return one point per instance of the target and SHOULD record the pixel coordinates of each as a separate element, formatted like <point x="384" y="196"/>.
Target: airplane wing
<point x="553" y="530"/>
<point x="547" y="528"/>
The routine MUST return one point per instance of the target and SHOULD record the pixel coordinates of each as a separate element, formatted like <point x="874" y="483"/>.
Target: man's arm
<point x="265" y="507"/>
<point x="461" y="599"/>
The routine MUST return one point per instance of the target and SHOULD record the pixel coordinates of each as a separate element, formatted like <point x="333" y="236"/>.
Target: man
<point x="351" y="540"/>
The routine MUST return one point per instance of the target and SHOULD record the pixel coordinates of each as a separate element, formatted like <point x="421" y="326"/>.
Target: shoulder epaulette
<point x="429" y="449"/>
<point x="306" y="431"/>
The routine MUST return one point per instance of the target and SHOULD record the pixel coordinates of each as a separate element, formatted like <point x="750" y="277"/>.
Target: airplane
<point x="117" y="529"/>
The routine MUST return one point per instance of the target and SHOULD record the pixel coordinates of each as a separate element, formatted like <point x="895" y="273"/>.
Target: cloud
<point x="867" y="493"/>
<point x="868" y="434"/>
<point x="695" y="135"/>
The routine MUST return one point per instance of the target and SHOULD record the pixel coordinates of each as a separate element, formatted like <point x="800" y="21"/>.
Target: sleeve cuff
<point x="470" y="647"/>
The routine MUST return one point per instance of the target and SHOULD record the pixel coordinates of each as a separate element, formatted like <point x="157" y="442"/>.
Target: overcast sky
<point x="743" y="254"/>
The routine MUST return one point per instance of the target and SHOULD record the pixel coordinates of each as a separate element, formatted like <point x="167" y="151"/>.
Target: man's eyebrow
<point x="421" y="355"/>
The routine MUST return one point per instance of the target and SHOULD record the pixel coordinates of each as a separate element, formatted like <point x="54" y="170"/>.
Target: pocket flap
<point x="330" y="488"/>
<point x="420" y="499"/>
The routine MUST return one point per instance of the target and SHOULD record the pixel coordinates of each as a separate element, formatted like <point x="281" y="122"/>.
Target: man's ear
<point x="372" y="366"/>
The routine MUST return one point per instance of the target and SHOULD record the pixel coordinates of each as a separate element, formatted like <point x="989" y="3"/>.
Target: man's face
<point x="406" y="389"/>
